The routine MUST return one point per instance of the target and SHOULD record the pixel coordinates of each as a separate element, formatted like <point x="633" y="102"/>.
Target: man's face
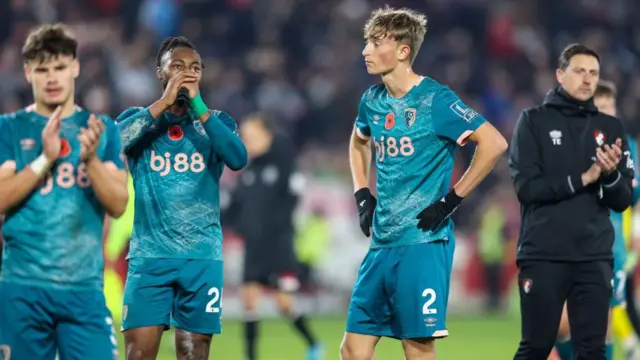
<point x="606" y="104"/>
<point x="52" y="80"/>
<point x="382" y="54"/>
<point x="178" y="60"/>
<point x="255" y="137"/>
<point x="581" y="77"/>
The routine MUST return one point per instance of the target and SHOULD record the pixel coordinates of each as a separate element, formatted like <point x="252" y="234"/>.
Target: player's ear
<point x="75" y="67"/>
<point x="560" y="76"/>
<point x="404" y="51"/>
<point x="27" y="72"/>
<point x="159" y="72"/>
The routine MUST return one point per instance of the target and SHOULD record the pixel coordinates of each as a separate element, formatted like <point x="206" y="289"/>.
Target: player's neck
<point x="400" y="81"/>
<point x="68" y="108"/>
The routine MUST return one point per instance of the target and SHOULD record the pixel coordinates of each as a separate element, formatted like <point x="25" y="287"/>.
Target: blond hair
<point x="404" y="25"/>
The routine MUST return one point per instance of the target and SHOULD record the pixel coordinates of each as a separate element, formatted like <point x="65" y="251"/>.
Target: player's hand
<point x="609" y="156"/>
<point x="89" y="138"/>
<point x="366" y="203"/>
<point x="435" y="214"/>
<point x="182" y="79"/>
<point x="51" y="144"/>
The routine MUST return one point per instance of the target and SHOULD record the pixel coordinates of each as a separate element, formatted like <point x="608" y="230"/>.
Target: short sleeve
<point x="453" y="119"/>
<point x="113" y="151"/>
<point x="227" y="120"/>
<point x="6" y="144"/>
<point x="362" y="123"/>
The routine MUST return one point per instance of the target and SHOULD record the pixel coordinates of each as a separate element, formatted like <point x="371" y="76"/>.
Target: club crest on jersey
<point x="527" y="284"/>
<point x="199" y="128"/>
<point x="409" y="116"/>
<point x="175" y="132"/>
<point x="65" y="148"/>
<point x="390" y="121"/>
<point x="27" y="144"/>
<point x="599" y="137"/>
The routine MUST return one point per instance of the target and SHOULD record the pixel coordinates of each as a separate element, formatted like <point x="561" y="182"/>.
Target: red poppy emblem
<point x="65" y="148"/>
<point x="390" y="121"/>
<point x="175" y="132"/>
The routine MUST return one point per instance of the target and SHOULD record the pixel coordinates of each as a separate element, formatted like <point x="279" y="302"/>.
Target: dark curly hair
<point x="170" y="43"/>
<point x="49" y="41"/>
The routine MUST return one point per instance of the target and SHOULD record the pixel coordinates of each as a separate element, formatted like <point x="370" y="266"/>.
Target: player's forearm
<point x="226" y="144"/>
<point x="109" y="185"/>
<point x="15" y="188"/>
<point x="134" y="127"/>
<point x="360" y="161"/>
<point x="486" y="156"/>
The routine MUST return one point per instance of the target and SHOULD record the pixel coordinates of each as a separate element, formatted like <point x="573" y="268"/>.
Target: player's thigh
<point x="543" y="288"/>
<point x="149" y="293"/>
<point x="26" y="322"/>
<point x="369" y="311"/>
<point x="86" y="330"/>
<point x="197" y="307"/>
<point x="588" y="305"/>
<point x="420" y="290"/>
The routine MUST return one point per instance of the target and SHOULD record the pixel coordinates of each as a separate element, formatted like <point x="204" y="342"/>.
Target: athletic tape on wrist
<point x="40" y="165"/>
<point x="198" y="106"/>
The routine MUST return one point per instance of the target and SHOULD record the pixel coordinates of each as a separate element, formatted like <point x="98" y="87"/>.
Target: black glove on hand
<point x="366" y="206"/>
<point x="435" y="214"/>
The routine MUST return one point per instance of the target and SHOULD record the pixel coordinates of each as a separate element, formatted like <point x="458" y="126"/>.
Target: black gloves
<point x="366" y="206"/>
<point x="435" y="214"/>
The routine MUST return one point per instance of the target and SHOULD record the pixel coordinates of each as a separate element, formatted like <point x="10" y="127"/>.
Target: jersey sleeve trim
<point x="361" y="135"/>
<point x="464" y="137"/>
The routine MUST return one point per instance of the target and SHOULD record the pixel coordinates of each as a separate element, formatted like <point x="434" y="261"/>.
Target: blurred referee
<point x="569" y="164"/>
<point x="261" y="212"/>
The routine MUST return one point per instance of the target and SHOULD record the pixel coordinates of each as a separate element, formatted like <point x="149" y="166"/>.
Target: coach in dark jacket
<point x="570" y="166"/>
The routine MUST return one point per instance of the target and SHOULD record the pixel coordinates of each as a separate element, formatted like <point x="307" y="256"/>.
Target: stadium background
<point x="300" y="60"/>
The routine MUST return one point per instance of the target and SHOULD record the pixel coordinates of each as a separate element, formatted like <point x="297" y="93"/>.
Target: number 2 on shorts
<point x="430" y="296"/>
<point x="213" y="305"/>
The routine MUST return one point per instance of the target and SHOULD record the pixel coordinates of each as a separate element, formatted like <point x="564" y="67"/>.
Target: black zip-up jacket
<point x="263" y="202"/>
<point x="552" y="145"/>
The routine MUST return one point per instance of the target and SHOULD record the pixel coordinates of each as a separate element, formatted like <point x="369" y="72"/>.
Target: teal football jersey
<point x="415" y="139"/>
<point x="176" y="178"/>
<point x="54" y="238"/>
<point x="617" y="219"/>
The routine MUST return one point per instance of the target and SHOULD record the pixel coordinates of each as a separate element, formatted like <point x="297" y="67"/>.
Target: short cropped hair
<point x="404" y="25"/>
<point x="49" y="41"/>
<point x="606" y="88"/>
<point x="572" y="50"/>
<point x="170" y="43"/>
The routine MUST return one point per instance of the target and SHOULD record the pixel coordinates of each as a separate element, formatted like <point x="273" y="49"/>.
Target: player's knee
<point x="191" y="346"/>
<point x="138" y="353"/>
<point x="350" y="351"/>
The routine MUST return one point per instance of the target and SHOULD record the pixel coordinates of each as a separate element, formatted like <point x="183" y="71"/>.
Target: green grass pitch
<point x="470" y="338"/>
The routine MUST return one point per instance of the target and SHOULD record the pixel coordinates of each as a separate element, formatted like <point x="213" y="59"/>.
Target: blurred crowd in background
<point x="300" y="60"/>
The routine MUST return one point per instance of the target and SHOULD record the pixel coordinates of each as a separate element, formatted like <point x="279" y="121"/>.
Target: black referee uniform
<point x="565" y="246"/>
<point x="261" y="212"/>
